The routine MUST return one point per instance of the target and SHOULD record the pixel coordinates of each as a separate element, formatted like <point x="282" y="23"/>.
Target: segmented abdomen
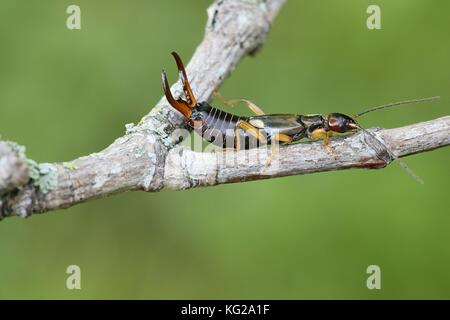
<point x="215" y="125"/>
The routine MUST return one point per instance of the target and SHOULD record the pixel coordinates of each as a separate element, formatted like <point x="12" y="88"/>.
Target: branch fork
<point x="148" y="158"/>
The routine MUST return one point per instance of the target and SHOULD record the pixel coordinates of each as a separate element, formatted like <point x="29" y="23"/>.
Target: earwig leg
<point x="257" y="110"/>
<point x="187" y="91"/>
<point x="275" y="141"/>
<point x="327" y="146"/>
<point x="248" y="128"/>
<point x="322" y="133"/>
<point x="281" y="137"/>
<point x="222" y="99"/>
<point x="237" y="138"/>
<point x="253" y="107"/>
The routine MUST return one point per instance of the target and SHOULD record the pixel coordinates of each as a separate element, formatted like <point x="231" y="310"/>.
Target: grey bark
<point x="13" y="170"/>
<point x="148" y="158"/>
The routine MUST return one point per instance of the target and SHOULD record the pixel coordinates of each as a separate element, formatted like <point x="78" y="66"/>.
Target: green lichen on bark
<point x="42" y="175"/>
<point x="70" y="165"/>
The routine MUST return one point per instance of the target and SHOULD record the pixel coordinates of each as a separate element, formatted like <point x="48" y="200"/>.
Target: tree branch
<point x="147" y="158"/>
<point x="187" y="169"/>
<point x="135" y="161"/>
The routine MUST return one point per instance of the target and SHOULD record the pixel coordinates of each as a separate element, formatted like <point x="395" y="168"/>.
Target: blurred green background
<point x="69" y="93"/>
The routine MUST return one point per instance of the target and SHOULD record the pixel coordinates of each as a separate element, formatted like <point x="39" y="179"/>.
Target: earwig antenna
<point x="379" y="147"/>
<point x="394" y="104"/>
<point x="390" y="153"/>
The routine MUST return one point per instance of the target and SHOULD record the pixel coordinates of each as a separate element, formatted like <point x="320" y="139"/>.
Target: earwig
<point x="232" y="131"/>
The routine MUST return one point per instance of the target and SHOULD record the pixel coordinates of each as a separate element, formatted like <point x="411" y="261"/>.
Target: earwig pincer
<point x="237" y="132"/>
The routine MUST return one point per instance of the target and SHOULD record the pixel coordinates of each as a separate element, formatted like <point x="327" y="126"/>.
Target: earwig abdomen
<point x="220" y="128"/>
<point x="215" y="125"/>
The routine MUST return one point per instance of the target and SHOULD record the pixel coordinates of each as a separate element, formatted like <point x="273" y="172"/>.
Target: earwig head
<point x="338" y="122"/>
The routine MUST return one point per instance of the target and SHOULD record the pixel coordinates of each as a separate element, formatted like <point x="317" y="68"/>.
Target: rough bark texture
<point x="13" y="170"/>
<point x="148" y="158"/>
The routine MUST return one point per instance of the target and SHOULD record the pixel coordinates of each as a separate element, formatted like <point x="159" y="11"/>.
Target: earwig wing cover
<point x="281" y="123"/>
